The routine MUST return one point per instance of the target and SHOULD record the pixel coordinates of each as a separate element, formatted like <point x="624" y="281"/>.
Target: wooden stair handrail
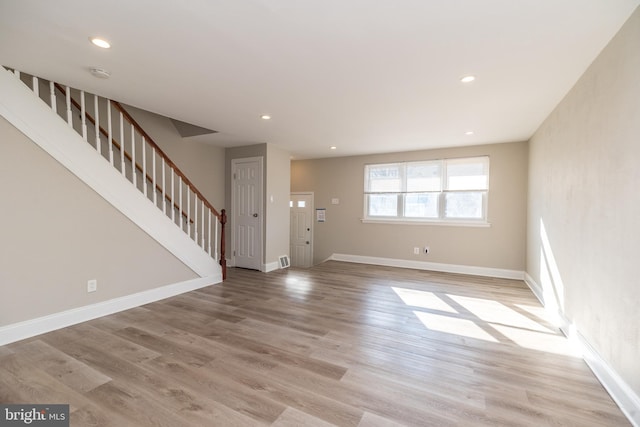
<point x="119" y="147"/>
<point x="222" y="216"/>
<point x="166" y="158"/>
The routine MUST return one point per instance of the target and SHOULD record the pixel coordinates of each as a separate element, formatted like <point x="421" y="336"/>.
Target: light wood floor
<point x="339" y="344"/>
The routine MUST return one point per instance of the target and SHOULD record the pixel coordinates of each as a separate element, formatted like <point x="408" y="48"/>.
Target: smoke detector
<point x="100" y="73"/>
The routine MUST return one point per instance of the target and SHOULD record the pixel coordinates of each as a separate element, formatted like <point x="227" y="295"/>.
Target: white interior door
<point x="301" y="207"/>
<point x="247" y="212"/>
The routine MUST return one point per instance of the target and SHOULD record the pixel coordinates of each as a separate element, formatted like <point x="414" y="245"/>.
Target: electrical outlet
<point x="92" y="285"/>
<point x="416" y="251"/>
<point x="426" y="250"/>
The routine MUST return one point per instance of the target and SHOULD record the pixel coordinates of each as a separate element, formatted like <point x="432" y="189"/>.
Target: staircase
<point x="98" y="140"/>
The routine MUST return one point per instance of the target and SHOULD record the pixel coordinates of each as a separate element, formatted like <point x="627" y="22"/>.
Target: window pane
<point x="468" y="174"/>
<point x="423" y="176"/>
<point x="464" y="205"/>
<point x="448" y="189"/>
<point x="421" y="205"/>
<point x="302" y="203"/>
<point x="384" y="178"/>
<point x="383" y="204"/>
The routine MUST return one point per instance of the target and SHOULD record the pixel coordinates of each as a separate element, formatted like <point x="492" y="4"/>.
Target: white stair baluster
<point x="144" y="166"/>
<point x="173" y="197"/>
<point x="110" y="132"/>
<point x="202" y="224"/>
<point x="83" y="113"/>
<point x="209" y="233"/>
<point x="52" y="95"/>
<point x="69" y="113"/>
<point x="122" y="143"/>
<point x="134" y="175"/>
<point x="180" y="199"/>
<point x="153" y="176"/>
<point x="164" y="193"/>
<point x="96" y="111"/>
<point x="195" y="221"/>
<point x="188" y="211"/>
<point x="36" y="86"/>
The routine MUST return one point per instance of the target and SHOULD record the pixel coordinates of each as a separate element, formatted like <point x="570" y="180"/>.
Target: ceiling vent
<point x="100" y="73"/>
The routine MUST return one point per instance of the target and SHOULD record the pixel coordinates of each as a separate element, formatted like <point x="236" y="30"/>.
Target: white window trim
<point x="441" y="221"/>
<point x="438" y="222"/>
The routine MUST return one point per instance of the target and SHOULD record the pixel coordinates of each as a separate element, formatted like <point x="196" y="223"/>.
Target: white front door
<point x="247" y="212"/>
<point x="301" y="207"/>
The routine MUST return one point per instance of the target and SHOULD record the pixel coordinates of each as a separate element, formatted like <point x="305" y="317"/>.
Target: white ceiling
<point x="367" y="76"/>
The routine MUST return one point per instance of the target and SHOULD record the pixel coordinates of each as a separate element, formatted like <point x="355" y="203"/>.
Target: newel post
<point x="223" y="258"/>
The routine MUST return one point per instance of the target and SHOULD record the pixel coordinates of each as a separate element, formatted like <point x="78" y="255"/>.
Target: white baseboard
<point x="41" y="325"/>
<point x="619" y="390"/>
<point x="271" y="266"/>
<point x="433" y="266"/>
<point x="622" y="394"/>
<point x="535" y="288"/>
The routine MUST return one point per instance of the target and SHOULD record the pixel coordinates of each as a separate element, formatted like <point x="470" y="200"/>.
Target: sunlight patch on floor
<point x="423" y="299"/>
<point x="486" y="319"/>
<point x="454" y="325"/>
<point x="550" y="343"/>
<point x="496" y="312"/>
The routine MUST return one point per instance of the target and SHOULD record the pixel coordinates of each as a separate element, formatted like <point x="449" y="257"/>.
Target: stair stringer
<point x="33" y="117"/>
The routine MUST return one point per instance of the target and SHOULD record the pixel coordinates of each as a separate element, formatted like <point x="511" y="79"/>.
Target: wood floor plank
<point x="22" y="382"/>
<point x="69" y="371"/>
<point x="136" y="408"/>
<point x="294" y="418"/>
<point x="5" y="351"/>
<point x="242" y="400"/>
<point x="257" y="376"/>
<point x="337" y="344"/>
<point x="372" y="420"/>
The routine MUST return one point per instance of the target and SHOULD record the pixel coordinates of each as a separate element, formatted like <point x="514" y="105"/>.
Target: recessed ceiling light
<point x="468" y="79"/>
<point x="333" y="147"/>
<point x="469" y="132"/>
<point x="265" y="117"/>
<point x="100" y="42"/>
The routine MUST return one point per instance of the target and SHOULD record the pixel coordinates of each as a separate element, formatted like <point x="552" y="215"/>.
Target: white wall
<point x="277" y="205"/>
<point x="500" y="246"/>
<point x="584" y="205"/>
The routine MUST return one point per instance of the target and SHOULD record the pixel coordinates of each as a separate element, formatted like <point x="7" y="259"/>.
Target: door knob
<point x="307" y="242"/>
<point x="255" y="215"/>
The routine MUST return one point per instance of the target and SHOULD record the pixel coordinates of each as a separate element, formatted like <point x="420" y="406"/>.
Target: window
<point x="452" y="190"/>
